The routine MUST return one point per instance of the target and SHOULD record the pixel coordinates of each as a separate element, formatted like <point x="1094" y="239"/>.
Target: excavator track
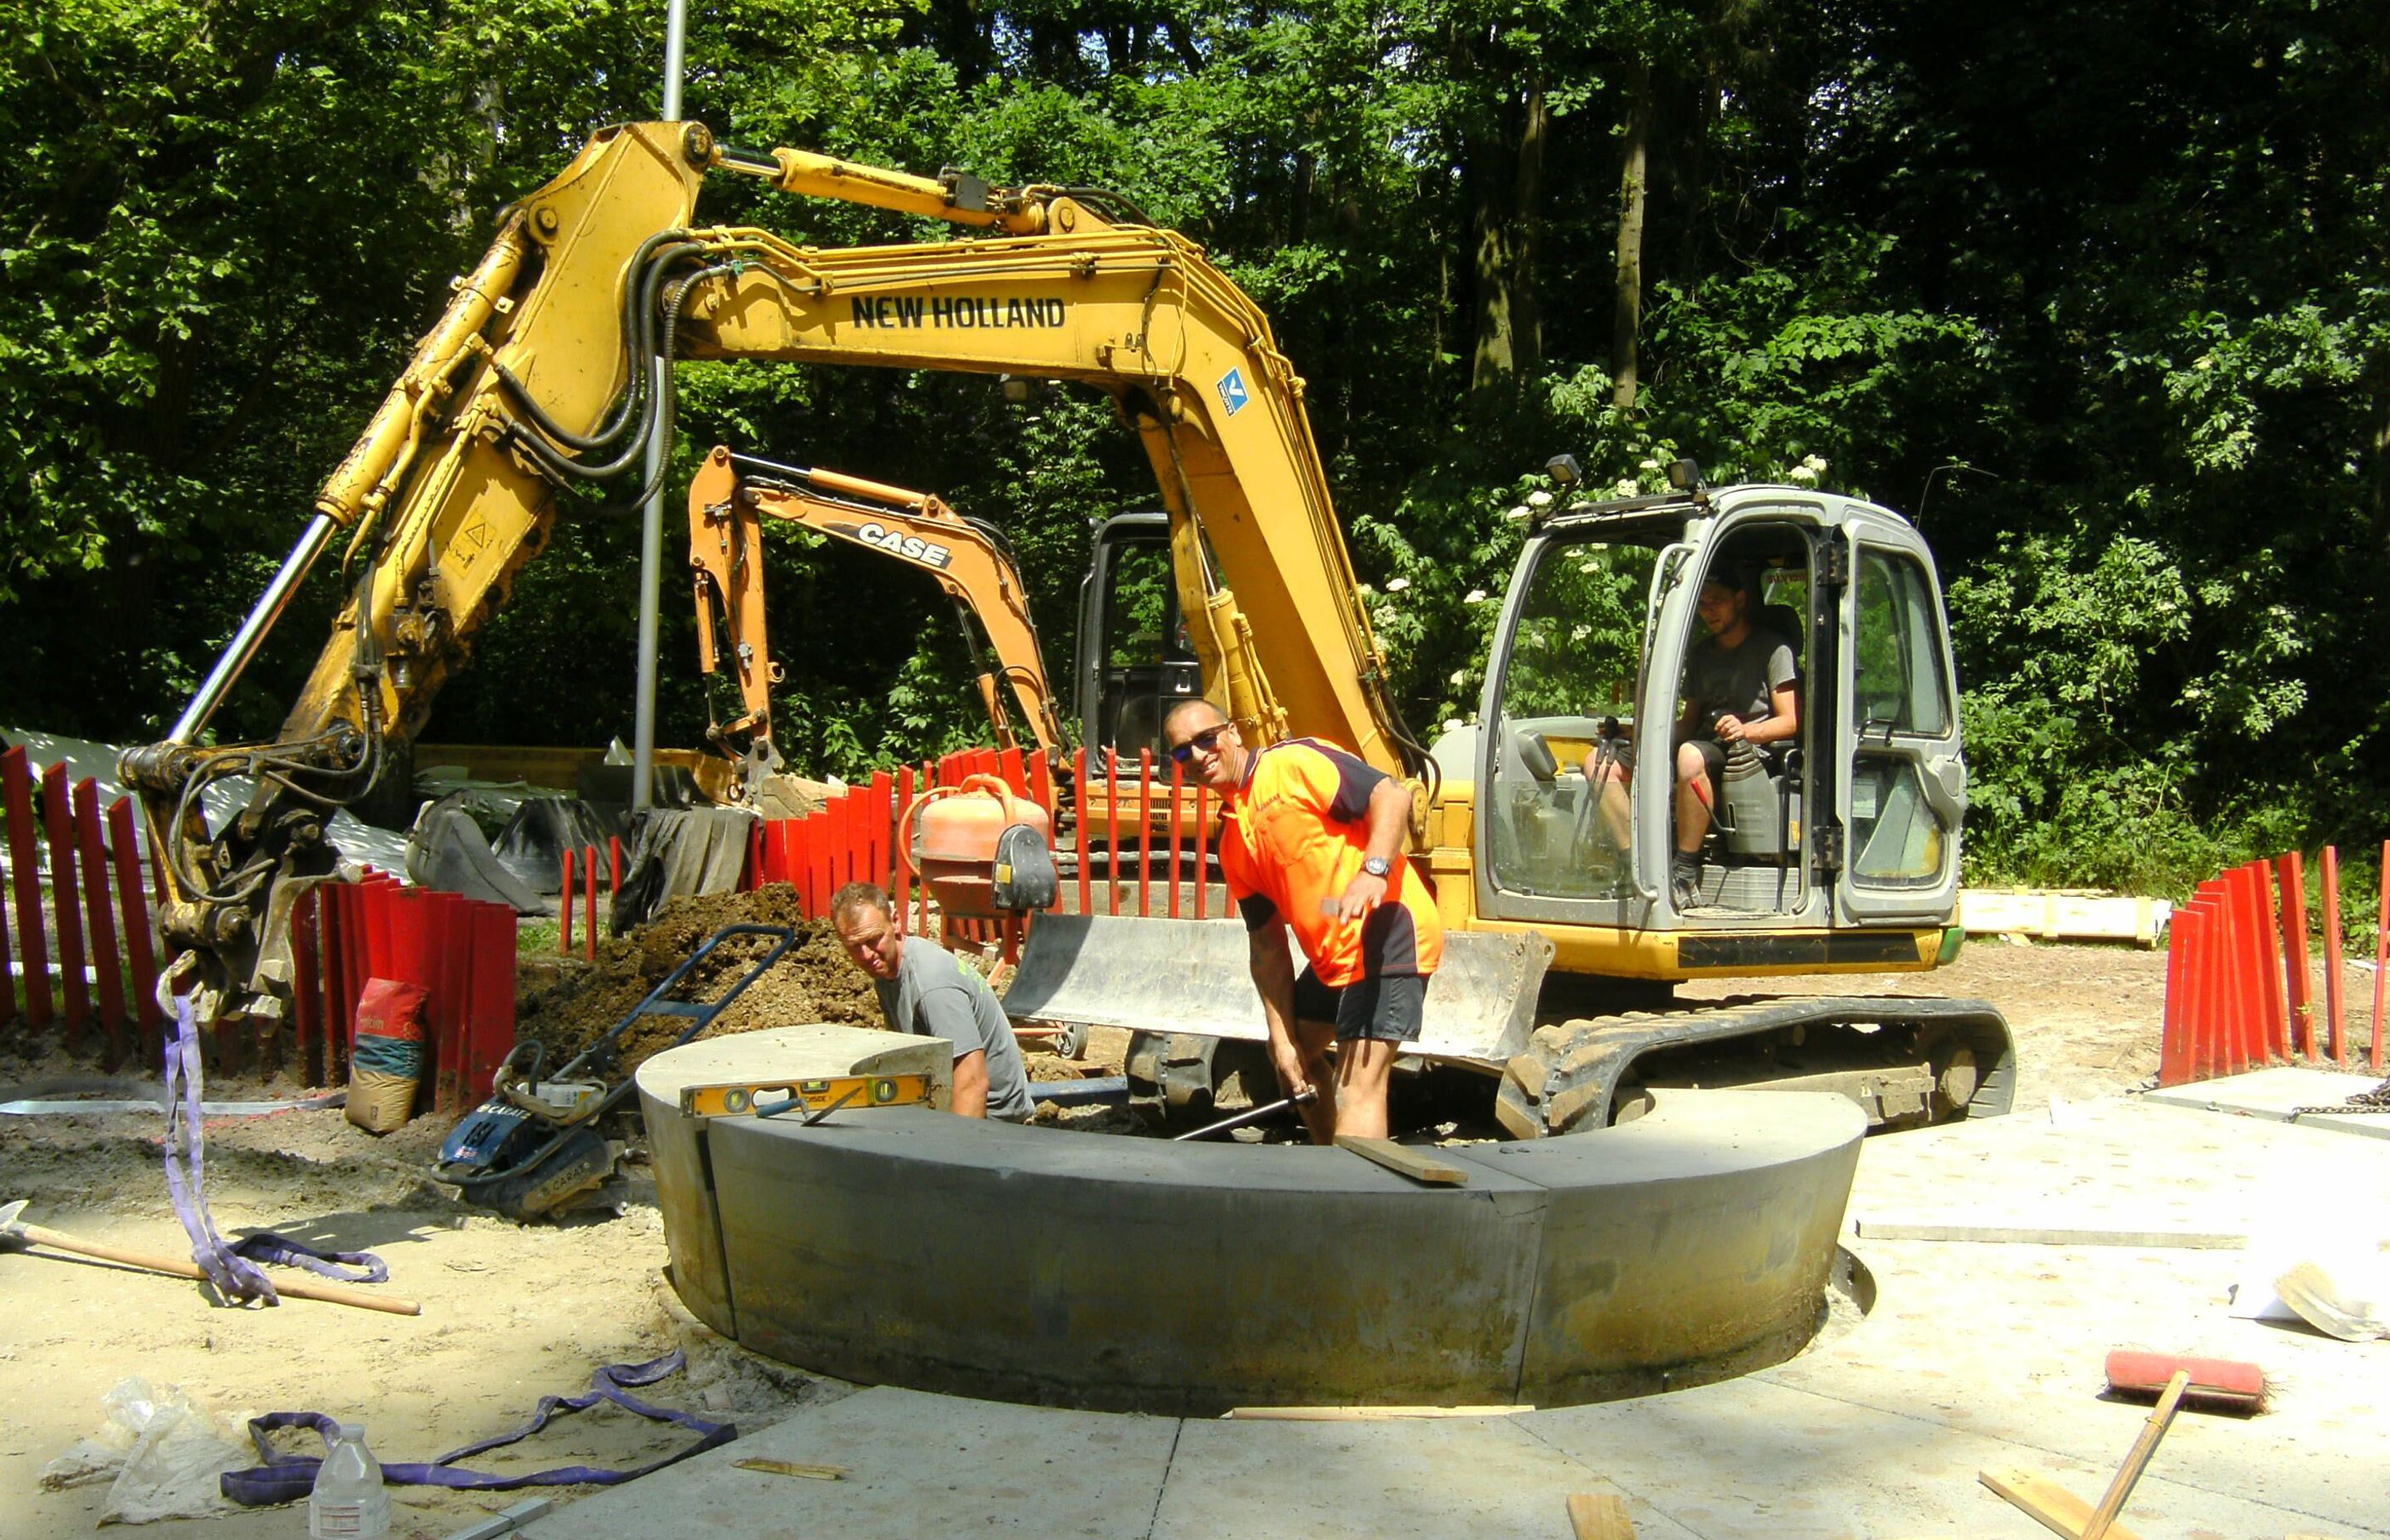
<point x="1906" y="1060"/>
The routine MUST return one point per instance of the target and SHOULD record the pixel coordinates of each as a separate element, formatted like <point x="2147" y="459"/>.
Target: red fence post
<point x="2269" y="948"/>
<point x="1145" y="831"/>
<point x="457" y="941"/>
<point x="1041" y="782"/>
<point x="2290" y="873"/>
<point x="900" y="873"/>
<point x="1202" y="847"/>
<point x="1015" y="772"/>
<point x="131" y="903"/>
<point x="1177" y="788"/>
<point x="66" y="900"/>
<point x="490" y="1028"/>
<point x="25" y="876"/>
<point x="340" y="999"/>
<point x="879" y="827"/>
<point x="2257" y="963"/>
<point x="1079" y="833"/>
<point x="2174" y="1031"/>
<point x="106" y="961"/>
<point x="1111" y="838"/>
<point x="613" y="870"/>
<point x="2331" y="980"/>
<point x="2381" y="960"/>
<point x="589" y="905"/>
<point x="751" y="876"/>
<point x="8" y="968"/>
<point x="306" y="987"/>
<point x="564" y="910"/>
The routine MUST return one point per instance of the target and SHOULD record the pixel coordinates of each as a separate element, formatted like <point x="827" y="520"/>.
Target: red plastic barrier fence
<point x="460" y="950"/>
<point x="2237" y="994"/>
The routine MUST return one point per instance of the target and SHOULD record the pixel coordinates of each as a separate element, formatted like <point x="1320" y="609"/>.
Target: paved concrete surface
<point x="2273" y="1093"/>
<point x="1974" y="1354"/>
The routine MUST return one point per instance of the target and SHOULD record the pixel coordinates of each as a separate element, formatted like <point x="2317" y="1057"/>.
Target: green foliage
<point x="2094" y="296"/>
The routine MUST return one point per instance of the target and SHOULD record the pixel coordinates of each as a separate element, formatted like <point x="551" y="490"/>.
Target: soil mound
<point x="566" y="1004"/>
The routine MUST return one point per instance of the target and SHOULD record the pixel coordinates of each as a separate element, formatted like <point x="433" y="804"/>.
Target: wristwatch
<point x="1378" y="867"/>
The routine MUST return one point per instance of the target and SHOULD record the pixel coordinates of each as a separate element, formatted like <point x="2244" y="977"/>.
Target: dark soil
<point x="566" y="1004"/>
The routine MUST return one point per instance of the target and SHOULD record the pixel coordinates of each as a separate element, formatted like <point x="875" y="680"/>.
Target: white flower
<point x="1588" y="566"/>
<point x="1817" y="465"/>
<point x="1539" y="498"/>
<point x="1395" y="586"/>
<point x="1519" y="513"/>
<point x="1475" y="595"/>
<point x="1647" y="465"/>
<point x="1363" y="588"/>
<point x="1579" y="632"/>
<point x="1801" y="473"/>
<point x="1629" y="487"/>
<point x="1460" y="676"/>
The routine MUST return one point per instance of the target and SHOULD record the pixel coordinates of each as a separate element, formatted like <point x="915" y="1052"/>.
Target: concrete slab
<point x="2274" y="1093"/>
<point x="917" y="1465"/>
<point x="1479" y="1477"/>
<point x="1974" y="1356"/>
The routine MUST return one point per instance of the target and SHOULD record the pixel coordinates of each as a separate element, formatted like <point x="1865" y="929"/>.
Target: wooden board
<point x="2056" y="915"/>
<point x="1366" y="1414"/>
<point x="1599" y="1516"/>
<point x="2057" y="1510"/>
<point x="2050" y="1235"/>
<point x="1404" y="1160"/>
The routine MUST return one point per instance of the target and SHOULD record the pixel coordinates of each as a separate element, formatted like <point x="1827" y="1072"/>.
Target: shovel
<point x="13" y="1230"/>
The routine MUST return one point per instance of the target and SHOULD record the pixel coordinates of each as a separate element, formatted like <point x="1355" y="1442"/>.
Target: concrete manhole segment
<point x="910" y="1246"/>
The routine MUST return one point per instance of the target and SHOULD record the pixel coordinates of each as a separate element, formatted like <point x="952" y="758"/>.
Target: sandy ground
<point x="512" y="1313"/>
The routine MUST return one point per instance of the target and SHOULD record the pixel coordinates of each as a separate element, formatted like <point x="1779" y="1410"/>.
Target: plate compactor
<point x="533" y="1148"/>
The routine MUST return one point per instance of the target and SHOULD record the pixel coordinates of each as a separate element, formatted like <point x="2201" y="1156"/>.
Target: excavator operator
<point x="1741" y="687"/>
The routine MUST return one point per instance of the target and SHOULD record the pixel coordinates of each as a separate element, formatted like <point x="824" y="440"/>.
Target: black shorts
<point x="1387" y="1009"/>
<point x="1713" y="759"/>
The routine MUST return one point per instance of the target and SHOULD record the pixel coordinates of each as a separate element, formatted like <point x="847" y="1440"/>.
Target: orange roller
<point x="2216" y="1384"/>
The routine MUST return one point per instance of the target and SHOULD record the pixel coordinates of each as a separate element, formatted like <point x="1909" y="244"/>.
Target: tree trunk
<point x="1508" y="172"/>
<point x="1627" y="326"/>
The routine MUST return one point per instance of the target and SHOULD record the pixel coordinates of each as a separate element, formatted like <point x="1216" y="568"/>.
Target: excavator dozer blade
<point x="1193" y="975"/>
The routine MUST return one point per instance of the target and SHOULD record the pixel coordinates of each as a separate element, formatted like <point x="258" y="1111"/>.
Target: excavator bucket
<point x="1193" y="975"/>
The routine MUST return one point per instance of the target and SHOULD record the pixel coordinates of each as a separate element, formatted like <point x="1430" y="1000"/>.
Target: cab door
<point x="1903" y="787"/>
<point x="1134" y="661"/>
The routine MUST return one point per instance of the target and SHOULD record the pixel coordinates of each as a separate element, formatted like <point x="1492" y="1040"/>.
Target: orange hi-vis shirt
<point x="1292" y="840"/>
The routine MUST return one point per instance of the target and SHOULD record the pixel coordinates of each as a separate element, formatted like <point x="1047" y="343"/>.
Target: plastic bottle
<point x="348" y="1502"/>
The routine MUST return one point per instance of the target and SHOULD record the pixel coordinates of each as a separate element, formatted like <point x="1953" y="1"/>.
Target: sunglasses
<point x="1206" y="740"/>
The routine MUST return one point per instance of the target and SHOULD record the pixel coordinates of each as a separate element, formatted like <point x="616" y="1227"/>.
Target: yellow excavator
<point x="539" y="378"/>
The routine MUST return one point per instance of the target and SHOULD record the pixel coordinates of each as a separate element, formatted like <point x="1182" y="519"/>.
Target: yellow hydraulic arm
<point x="728" y="500"/>
<point x="539" y="375"/>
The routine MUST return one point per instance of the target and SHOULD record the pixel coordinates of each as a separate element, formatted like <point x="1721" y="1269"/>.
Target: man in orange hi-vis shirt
<point x="1312" y="842"/>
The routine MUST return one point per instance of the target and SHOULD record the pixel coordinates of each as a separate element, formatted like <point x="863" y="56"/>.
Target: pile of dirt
<point x="566" y="1004"/>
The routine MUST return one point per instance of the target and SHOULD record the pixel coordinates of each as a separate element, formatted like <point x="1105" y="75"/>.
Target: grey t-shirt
<point x="935" y="995"/>
<point x="1740" y="680"/>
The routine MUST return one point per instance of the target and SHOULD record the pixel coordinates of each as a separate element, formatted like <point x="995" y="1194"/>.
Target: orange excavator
<point x="969" y="557"/>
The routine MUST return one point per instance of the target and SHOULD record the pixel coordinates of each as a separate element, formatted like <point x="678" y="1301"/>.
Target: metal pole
<point x="652" y="518"/>
<point x="244" y="644"/>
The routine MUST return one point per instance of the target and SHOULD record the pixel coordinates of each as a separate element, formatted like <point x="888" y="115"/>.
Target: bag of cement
<point x="162" y="1452"/>
<point x="386" y="1060"/>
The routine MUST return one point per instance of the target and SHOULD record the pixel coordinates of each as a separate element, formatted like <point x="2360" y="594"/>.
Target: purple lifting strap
<point x="230" y="1266"/>
<point x="286" y="1478"/>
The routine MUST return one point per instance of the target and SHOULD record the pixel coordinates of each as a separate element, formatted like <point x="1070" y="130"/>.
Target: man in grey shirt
<point x="925" y="990"/>
<point x="1741" y="687"/>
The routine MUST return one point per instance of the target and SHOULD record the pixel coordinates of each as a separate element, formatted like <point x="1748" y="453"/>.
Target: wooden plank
<point x="2048" y="1504"/>
<point x="1368" y="1414"/>
<point x="2056" y="915"/>
<point x="1404" y="1160"/>
<point x="2052" y="1234"/>
<point x="792" y="1468"/>
<point x="1599" y="1516"/>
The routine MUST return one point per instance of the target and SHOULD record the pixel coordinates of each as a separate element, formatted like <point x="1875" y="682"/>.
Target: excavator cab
<point x="1135" y="660"/>
<point x="1851" y="826"/>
